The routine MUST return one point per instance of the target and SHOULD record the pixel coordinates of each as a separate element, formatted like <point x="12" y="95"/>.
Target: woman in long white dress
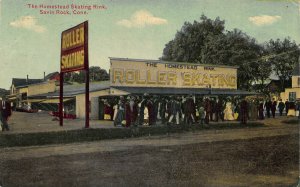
<point x="292" y="109"/>
<point x="228" y="113"/>
<point x="146" y="116"/>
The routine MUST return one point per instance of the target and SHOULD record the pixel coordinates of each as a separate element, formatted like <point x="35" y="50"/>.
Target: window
<point x="292" y="96"/>
<point x="24" y="96"/>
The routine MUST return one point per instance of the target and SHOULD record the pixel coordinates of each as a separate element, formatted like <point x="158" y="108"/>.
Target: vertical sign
<point x="74" y="57"/>
<point x="74" y="48"/>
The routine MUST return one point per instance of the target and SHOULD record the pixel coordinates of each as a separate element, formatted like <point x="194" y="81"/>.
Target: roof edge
<point x="165" y="62"/>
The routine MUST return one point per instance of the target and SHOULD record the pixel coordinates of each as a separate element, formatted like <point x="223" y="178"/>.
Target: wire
<point x="275" y="55"/>
<point x="267" y="57"/>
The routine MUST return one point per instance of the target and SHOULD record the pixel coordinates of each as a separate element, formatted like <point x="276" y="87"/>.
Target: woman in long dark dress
<point x="120" y="113"/>
<point x="261" y="111"/>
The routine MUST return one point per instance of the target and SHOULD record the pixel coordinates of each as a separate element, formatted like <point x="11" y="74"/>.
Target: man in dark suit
<point x="244" y="111"/>
<point x="189" y="110"/>
<point x="219" y="110"/>
<point x="5" y="112"/>
<point x="268" y="106"/>
<point x="207" y="108"/>
<point x="273" y="107"/>
<point x="287" y="106"/>
<point x="281" y="106"/>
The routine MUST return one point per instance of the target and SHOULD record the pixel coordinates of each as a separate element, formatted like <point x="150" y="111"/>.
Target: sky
<point x="30" y="41"/>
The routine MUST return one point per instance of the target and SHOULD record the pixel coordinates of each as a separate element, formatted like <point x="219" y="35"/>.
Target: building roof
<point x="73" y="90"/>
<point x="183" y="91"/>
<point x="19" y="82"/>
<point x="51" y="75"/>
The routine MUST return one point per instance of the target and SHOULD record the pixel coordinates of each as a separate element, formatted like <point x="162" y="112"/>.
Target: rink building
<point x="139" y="76"/>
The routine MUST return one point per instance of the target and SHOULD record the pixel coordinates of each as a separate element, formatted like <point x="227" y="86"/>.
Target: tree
<point x="261" y="73"/>
<point x="96" y="74"/>
<point x="188" y="42"/>
<point x="79" y="77"/>
<point x="283" y="56"/>
<point x="205" y="42"/>
<point x="234" y="48"/>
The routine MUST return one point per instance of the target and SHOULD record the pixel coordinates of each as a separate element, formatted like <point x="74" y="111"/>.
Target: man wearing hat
<point x="150" y="106"/>
<point x="207" y="108"/>
<point x="5" y="112"/>
<point x="244" y="111"/>
<point x="281" y="106"/>
<point x="273" y="107"/>
<point x="189" y="110"/>
<point x="131" y="111"/>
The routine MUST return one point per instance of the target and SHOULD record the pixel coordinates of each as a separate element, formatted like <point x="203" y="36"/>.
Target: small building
<point x="293" y="93"/>
<point x="74" y="99"/>
<point x="4" y="92"/>
<point x="21" y="88"/>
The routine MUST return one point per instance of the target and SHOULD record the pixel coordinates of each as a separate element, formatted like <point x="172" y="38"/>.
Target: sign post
<point x="87" y="79"/>
<point x="74" y="57"/>
<point x="61" y="91"/>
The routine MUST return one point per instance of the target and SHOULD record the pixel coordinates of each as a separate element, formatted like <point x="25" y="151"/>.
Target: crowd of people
<point x="153" y="109"/>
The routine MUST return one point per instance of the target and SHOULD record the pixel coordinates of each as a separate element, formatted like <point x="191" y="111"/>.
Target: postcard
<point x="149" y="93"/>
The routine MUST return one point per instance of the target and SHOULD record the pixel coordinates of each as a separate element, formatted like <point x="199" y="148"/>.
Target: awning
<point x="32" y="100"/>
<point x="183" y="91"/>
<point x="232" y="92"/>
<point x="55" y="100"/>
<point x="12" y="97"/>
<point x="164" y="91"/>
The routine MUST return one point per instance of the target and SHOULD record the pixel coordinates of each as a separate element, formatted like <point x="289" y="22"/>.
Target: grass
<point x="291" y="121"/>
<point x="81" y="135"/>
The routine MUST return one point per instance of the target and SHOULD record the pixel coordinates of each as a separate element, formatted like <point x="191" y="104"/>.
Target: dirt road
<point x="235" y="157"/>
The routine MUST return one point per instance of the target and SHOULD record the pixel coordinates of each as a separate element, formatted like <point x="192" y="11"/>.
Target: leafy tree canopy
<point x="188" y="42"/>
<point x="207" y="42"/>
<point x="283" y="56"/>
<point x="96" y="74"/>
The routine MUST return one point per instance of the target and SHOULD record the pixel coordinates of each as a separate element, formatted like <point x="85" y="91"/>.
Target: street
<point x="233" y="157"/>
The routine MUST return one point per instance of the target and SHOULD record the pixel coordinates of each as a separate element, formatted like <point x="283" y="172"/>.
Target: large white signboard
<point x="143" y="73"/>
